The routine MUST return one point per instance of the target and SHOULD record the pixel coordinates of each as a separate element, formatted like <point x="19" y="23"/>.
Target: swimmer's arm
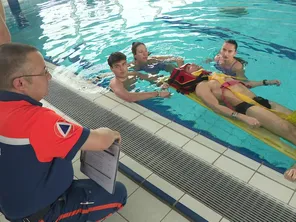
<point x="149" y="77"/>
<point x="216" y="59"/>
<point x="4" y="33"/>
<point x="125" y="95"/>
<point x="238" y="69"/>
<point x="253" y="84"/>
<point x="178" y="60"/>
<point x="204" y="92"/>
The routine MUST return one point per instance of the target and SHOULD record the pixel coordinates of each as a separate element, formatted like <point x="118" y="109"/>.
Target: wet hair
<point x="233" y="42"/>
<point x="13" y="57"/>
<point x="116" y="57"/>
<point x="135" y="46"/>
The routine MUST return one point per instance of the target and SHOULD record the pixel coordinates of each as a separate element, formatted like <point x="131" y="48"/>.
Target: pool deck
<point x="143" y="206"/>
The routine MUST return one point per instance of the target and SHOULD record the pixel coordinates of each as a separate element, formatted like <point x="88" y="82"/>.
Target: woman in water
<point x="153" y="64"/>
<point x="227" y="63"/>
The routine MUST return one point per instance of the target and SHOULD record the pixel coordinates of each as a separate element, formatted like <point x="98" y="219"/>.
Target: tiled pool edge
<point x="163" y="196"/>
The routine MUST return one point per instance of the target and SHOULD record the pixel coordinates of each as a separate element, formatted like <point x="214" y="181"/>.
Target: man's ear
<point x="19" y="84"/>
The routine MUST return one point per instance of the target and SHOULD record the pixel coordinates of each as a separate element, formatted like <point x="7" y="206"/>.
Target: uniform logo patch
<point x="63" y="129"/>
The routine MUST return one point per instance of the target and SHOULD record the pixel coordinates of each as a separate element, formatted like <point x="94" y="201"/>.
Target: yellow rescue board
<point x="260" y="133"/>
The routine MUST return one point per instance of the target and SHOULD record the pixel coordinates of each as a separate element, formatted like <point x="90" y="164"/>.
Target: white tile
<point x="234" y="168"/>
<point x="69" y="119"/>
<point x="76" y="157"/>
<point x="172" y="136"/>
<point x="147" y="123"/>
<point x="122" y="154"/>
<point x="271" y="187"/>
<point x="50" y="65"/>
<point x="293" y="201"/>
<point x="125" y="112"/>
<point x="129" y="184"/>
<point x="224" y="220"/>
<point x="200" y="209"/>
<point x="2" y="218"/>
<point x="50" y="106"/>
<point x="135" y="166"/>
<point x="106" y="102"/>
<point x="152" y="115"/>
<point x="45" y="103"/>
<point x="201" y="151"/>
<point x="165" y="186"/>
<point x="242" y="159"/>
<point x="77" y="172"/>
<point x="142" y="206"/>
<point x="136" y="107"/>
<point x="90" y="96"/>
<point x="209" y="143"/>
<point x="115" y="218"/>
<point x="114" y="97"/>
<point x="272" y="174"/>
<point x="173" y="216"/>
<point x="181" y="129"/>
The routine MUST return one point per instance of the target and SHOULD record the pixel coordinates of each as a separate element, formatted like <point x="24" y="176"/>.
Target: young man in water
<point x="124" y="81"/>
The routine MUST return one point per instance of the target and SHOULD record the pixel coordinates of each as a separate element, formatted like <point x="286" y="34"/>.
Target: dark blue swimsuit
<point x="227" y="71"/>
<point x="153" y="68"/>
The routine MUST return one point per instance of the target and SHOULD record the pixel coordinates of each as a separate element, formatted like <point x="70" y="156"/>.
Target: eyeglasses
<point x="44" y="73"/>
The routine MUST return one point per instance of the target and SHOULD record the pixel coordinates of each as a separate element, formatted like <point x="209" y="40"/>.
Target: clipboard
<point x="101" y="166"/>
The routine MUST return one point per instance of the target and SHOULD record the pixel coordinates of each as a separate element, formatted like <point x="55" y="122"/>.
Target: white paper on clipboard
<point x="101" y="166"/>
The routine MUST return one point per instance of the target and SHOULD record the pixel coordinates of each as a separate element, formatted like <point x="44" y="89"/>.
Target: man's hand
<point x="101" y="139"/>
<point x="252" y="122"/>
<point x="273" y="82"/>
<point x="110" y="133"/>
<point x="208" y="60"/>
<point x="152" y="77"/>
<point x="117" y="137"/>
<point x="164" y="86"/>
<point x="165" y="94"/>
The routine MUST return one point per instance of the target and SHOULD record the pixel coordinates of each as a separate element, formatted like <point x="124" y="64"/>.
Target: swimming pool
<point x="82" y="34"/>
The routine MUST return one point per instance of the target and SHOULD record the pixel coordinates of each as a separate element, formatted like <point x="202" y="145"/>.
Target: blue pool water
<point x="81" y="35"/>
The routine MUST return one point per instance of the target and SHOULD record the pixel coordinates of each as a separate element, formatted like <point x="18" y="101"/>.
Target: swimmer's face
<point x="141" y="53"/>
<point x="228" y="51"/>
<point x="190" y="68"/>
<point x="120" y="69"/>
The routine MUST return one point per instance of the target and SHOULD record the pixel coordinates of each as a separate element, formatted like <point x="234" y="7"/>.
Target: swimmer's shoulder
<point x="238" y="65"/>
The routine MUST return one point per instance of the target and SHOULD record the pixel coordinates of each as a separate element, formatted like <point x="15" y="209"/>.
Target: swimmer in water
<point x="226" y="61"/>
<point x="124" y="81"/>
<point x="4" y="32"/>
<point x="153" y="64"/>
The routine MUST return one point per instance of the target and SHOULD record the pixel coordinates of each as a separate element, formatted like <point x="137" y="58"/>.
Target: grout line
<point x="248" y="182"/>
<point x="216" y="160"/>
<point x="209" y="146"/>
<point x="276" y="181"/>
<point x="182" y="147"/>
<point x="291" y="198"/>
<point x="122" y="216"/>
<point x="163" y="126"/>
<point x="166" y="215"/>
<point x="238" y="161"/>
